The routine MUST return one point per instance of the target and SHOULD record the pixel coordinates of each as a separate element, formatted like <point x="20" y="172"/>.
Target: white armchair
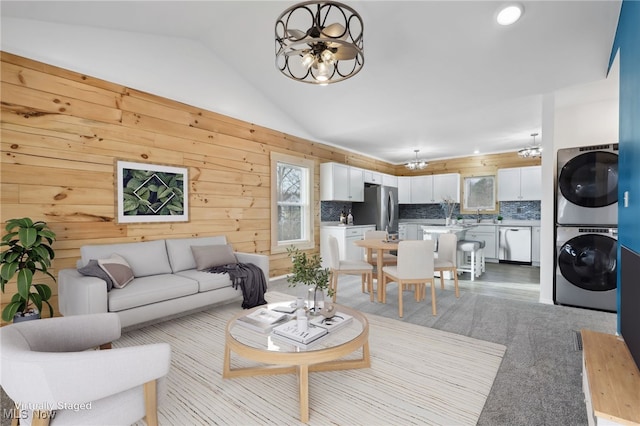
<point x="49" y="372"/>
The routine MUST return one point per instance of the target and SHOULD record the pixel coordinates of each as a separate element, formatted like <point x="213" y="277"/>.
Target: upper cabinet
<point x="339" y="182"/>
<point x="520" y="184"/>
<point x="446" y="186"/>
<point x="404" y="189"/>
<point x="380" y="178"/>
<point x="390" y="180"/>
<point x="428" y="189"/>
<point x="372" y="177"/>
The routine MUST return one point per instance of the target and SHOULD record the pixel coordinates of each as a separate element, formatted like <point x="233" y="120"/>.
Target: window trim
<point x="309" y="242"/>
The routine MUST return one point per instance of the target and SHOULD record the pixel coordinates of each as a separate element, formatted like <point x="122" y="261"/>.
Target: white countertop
<point x="441" y="222"/>
<point x="339" y="225"/>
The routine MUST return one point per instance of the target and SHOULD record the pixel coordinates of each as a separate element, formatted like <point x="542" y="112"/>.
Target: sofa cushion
<point x="146" y="258"/>
<point x="206" y="280"/>
<point x="179" y="250"/>
<point x="93" y="269"/>
<point x="117" y="268"/>
<point x="148" y="290"/>
<point x="216" y="255"/>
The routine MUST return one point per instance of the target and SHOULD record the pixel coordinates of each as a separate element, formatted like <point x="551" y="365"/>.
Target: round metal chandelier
<point x="531" y="151"/>
<point x="319" y="42"/>
<point x="416" y="164"/>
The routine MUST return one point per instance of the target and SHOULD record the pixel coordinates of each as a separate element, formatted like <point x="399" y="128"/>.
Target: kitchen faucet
<point x="478" y="218"/>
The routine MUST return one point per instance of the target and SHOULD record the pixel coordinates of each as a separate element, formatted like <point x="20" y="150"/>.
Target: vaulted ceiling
<point x="439" y="76"/>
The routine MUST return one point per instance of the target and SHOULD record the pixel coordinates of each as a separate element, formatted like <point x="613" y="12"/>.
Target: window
<point x="479" y="194"/>
<point x="291" y="202"/>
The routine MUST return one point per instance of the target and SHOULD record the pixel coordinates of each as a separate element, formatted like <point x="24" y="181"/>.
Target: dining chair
<point x="347" y="267"/>
<point x="414" y="268"/>
<point x="387" y="258"/>
<point x="447" y="259"/>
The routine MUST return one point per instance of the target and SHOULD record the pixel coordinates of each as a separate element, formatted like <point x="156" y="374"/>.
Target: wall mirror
<point x="479" y="193"/>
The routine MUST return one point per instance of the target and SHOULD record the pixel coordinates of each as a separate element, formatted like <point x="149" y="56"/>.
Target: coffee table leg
<point x="226" y="367"/>
<point x="303" y="382"/>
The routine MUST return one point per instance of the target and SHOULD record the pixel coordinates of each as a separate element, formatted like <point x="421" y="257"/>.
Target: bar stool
<point x="471" y="257"/>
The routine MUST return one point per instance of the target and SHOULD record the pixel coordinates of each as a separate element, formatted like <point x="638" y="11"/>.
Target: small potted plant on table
<point x="29" y="252"/>
<point x="308" y="270"/>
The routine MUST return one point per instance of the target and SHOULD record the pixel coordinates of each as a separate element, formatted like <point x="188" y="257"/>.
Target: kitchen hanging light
<point x="416" y="164"/>
<point x="319" y="42"/>
<point x="531" y="151"/>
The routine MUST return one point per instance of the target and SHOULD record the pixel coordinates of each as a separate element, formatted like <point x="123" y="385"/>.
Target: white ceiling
<point x="439" y="76"/>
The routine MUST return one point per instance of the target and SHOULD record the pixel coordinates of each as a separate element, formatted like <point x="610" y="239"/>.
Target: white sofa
<point x="166" y="281"/>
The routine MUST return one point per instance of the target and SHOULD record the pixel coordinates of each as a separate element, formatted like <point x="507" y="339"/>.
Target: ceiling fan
<point x="323" y="53"/>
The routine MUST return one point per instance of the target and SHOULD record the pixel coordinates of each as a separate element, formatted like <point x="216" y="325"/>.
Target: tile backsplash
<point x="509" y="210"/>
<point x="330" y="210"/>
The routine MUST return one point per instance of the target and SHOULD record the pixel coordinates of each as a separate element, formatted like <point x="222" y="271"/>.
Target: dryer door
<point x="588" y="261"/>
<point x="590" y="179"/>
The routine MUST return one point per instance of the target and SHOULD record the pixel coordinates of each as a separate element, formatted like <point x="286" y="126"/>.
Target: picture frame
<point x="151" y="193"/>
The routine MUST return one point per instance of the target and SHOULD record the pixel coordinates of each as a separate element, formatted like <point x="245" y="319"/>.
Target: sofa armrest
<point x="81" y="295"/>
<point x="260" y="260"/>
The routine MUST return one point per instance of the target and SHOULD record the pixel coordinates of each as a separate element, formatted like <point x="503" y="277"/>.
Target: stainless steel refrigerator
<point x="380" y="207"/>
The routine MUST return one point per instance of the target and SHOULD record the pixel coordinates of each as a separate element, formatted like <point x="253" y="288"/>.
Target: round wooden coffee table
<point x="281" y="357"/>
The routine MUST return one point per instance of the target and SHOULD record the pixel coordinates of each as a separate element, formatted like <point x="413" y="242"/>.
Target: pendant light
<point x="532" y="150"/>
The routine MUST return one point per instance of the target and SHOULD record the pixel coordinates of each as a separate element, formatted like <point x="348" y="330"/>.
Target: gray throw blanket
<point x="249" y="277"/>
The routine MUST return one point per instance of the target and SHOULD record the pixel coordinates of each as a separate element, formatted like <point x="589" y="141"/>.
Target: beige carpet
<point x="418" y="375"/>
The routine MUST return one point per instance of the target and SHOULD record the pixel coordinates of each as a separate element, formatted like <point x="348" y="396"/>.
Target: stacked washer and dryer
<point x="587" y="227"/>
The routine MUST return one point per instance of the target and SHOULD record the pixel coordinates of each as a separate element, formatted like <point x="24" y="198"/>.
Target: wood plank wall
<point x="62" y="133"/>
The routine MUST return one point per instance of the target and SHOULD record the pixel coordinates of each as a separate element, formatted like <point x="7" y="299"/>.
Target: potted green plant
<point x="499" y="219"/>
<point x="29" y="251"/>
<point x="308" y="270"/>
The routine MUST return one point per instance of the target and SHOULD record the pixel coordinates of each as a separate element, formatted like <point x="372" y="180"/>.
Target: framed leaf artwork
<point x="151" y="193"/>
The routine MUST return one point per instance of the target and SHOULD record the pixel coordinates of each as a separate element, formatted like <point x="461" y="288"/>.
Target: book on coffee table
<point x="336" y="322"/>
<point x="290" y="330"/>
<point x="262" y="320"/>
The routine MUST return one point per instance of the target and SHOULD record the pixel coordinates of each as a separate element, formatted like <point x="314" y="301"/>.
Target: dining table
<point x="380" y="246"/>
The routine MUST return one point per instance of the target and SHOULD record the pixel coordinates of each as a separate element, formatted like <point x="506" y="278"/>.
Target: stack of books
<point x="334" y="323"/>
<point x="290" y="331"/>
<point x="263" y="320"/>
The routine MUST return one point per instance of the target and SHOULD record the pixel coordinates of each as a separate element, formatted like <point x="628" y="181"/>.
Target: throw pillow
<point x="215" y="255"/>
<point x="118" y="270"/>
<point x="93" y="269"/>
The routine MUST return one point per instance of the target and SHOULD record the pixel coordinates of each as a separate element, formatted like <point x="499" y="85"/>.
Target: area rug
<point x="418" y="375"/>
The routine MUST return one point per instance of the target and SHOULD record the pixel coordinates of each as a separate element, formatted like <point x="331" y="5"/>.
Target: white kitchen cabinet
<point x="421" y="189"/>
<point x="339" y="182"/>
<point x="446" y="186"/>
<point x="428" y="189"/>
<point x="488" y="234"/>
<point x="404" y="190"/>
<point x="346" y="235"/>
<point x="389" y="180"/>
<point x="535" y="245"/>
<point x="520" y="183"/>
<point x="373" y="177"/>
<point x="408" y="231"/>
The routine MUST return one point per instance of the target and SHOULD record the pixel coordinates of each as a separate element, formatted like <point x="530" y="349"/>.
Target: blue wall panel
<point x="627" y="44"/>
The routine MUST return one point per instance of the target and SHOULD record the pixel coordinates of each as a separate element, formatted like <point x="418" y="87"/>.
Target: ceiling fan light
<point x="329" y="32"/>
<point x="307" y="60"/>
<point x="328" y="56"/>
<point x="323" y="70"/>
<point x="510" y="14"/>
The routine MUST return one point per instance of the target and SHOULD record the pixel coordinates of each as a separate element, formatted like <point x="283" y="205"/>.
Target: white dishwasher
<point x="514" y="244"/>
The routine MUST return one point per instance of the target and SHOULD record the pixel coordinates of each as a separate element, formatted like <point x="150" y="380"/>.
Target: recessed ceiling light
<point x="477" y="151"/>
<point x="510" y="14"/>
